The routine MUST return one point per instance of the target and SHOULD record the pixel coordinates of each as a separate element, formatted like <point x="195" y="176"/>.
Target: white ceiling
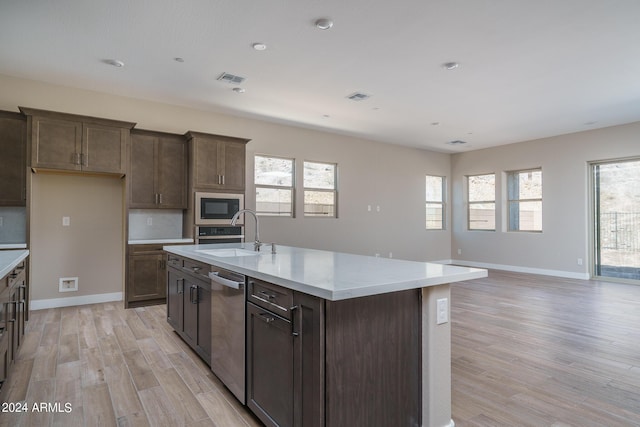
<point x="528" y="68"/>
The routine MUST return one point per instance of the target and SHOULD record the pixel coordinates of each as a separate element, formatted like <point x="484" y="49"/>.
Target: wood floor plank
<point x="143" y="376"/>
<point x="159" y="408"/>
<point x="68" y="348"/>
<point x="92" y="367"/>
<point x="183" y="400"/>
<point x="68" y="390"/>
<point x="97" y="406"/>
<point x="126" y="401"/>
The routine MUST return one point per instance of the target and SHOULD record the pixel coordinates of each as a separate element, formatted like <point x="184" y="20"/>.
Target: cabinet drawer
<point x="145" y="248"/>
<point x="199" y="269"/>
<point x="174" y="260"/>
<point x="271" y="297"/>
<point x="16" y="274"/>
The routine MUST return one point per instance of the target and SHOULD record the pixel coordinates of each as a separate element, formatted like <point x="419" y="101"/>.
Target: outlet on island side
<point x="442" y="310"/>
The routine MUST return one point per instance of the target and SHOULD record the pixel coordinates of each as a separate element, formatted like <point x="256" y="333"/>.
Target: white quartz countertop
<point x="10" y="259"/>
<point x="329" y="275"/>
<point x="158" y="241"/>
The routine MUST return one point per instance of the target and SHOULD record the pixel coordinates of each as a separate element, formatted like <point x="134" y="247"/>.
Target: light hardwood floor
<point x="541" y="351"/>
<point x="526" y="351"/>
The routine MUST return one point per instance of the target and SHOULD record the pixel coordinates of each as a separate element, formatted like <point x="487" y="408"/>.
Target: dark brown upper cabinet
<point x="70" y="142"/>
<point x="13" y="159"/>
<point x="217" y="162"/>
<point x="158" y="173"/>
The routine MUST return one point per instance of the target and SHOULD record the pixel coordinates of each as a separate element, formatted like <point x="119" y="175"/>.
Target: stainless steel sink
<point x="229" y="252"/>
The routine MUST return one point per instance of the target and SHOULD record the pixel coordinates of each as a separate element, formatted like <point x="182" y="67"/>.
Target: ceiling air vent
<point x="457" y="142"/>
<point x="358" y="96"/>
<point x="230" y="78"/>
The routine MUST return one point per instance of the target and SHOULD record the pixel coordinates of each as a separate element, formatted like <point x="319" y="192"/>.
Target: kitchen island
<point x="358" y="340"/>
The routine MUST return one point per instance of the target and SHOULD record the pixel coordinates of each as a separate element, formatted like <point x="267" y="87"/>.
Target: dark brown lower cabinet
<point x="285" y="357"/>
<point x="13" y="317"/>
<point x="355" y="362"/>
<point x="146" y="275"/>
<point x="189" y="306"/>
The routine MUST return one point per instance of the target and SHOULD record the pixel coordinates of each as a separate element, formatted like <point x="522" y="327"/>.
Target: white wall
<point x="565" y="237"/>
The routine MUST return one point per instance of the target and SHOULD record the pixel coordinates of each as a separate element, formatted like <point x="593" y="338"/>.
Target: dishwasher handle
<point x="215" y="277"/>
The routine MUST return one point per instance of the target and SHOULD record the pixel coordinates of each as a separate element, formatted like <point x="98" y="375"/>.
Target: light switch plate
<point x="66" y="221"/>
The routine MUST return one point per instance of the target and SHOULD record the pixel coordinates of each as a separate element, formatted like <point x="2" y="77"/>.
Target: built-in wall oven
<point x="217" y="208"/>
<point x="219" y="234"/>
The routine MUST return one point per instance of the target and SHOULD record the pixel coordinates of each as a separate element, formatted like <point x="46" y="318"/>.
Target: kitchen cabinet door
<point x="197" y="317"/>
<point x="171" y="166"/>
<point x="218" y="162"/>
<point x="175" y="298"/>
<point x="158" y="171"/>
<point x="270" y="367"/>
<point x="141" y="177"/>
<point x="203" y="338"/>
<point x="104" y="148"/>
<point x="56" y="143"/>
<point x="147" y="275"/>
<point x="13" y="161"/>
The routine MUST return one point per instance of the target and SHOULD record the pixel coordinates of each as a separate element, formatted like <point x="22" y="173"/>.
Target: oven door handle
<point x="214" y="276"/>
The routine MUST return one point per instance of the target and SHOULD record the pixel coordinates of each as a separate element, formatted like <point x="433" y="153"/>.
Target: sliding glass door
<point x="616" y="219"/>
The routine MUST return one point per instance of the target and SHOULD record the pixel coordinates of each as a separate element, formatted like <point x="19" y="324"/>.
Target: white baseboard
<point x="41" y="304"/>
<point x="519" y="269"/>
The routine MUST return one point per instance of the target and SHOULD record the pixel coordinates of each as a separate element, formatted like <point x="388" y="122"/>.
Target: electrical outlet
<point x="68" y="284"/>
<point x="368" y="208"/>
<point x="579" y="261"/>
<point x="459" y="251"/>
<point x="390" y="254"/>
<point x="149" y="221"/>
<point x="442" y="310"/>
<point x="66" y="221"/>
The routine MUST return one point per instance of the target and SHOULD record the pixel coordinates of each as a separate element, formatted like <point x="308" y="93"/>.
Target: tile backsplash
<point x="147" y="224"/>
<point x="13" y="225"/>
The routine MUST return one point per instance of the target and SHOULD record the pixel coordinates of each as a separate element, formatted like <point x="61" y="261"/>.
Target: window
<point x="320" y="189"/>
<point x="482" y="202"/>
<point x="435" y="192"/>
<point x="274" y="185"/>
<point x="524" y="193"/>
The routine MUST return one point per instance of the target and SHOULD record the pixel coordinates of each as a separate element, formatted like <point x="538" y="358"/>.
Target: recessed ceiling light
<point x="326" y="116"/>
<point x="259" y="46"/>
<point x="324" y="23"/>
<point x="450" y="65"/>
<point x="435" y="123"/>
<point x="114" y="62"/>
<point x="178" y="59"/>
<point x="457" y="142"/>
<point x="238" y="90"/>
<point x="590" y="123"/>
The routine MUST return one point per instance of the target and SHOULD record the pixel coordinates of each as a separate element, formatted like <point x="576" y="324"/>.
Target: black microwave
<point x="217" y="208"/>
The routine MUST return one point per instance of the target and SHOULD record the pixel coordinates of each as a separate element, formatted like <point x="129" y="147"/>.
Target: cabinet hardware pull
<point x="267" y="295"/>
<point x="222" y="179"/>
<point x="160" y="198"/>
<point x="85" y="159"/>
<point x="196" y="299"/>
<point x="293" y="322"/>
<point x="267" y="317"/>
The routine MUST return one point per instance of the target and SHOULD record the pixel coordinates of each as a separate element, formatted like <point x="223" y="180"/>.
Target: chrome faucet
<point x="257" y="243"/>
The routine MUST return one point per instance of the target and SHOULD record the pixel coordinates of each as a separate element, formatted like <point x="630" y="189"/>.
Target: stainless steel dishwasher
<point x="228" y="329"/>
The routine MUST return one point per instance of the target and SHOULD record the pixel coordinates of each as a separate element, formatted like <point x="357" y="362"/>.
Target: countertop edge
<point x="15" y="258"/>
<point x="474" y="273"/>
